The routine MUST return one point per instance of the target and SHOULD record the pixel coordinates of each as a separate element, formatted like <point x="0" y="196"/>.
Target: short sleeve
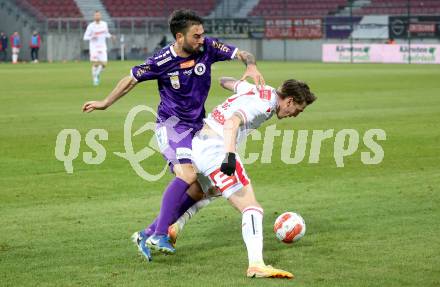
<point x="146" y="71"/>
<point x="219" y="51"/>
<point x="242" y="87"/>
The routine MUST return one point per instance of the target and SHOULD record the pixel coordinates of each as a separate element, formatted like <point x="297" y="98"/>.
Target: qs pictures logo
<point x="68" y="143"/>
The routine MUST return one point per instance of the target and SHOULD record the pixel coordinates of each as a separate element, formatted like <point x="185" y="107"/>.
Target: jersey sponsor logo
<point x="218" y="116"/>
<point x="188" y="72"/>
<point x="222" y="47"/>
<point x="162" y="55"/>
<point x="161" y="62"/>
<point x="176" y="73"/>
<point x="183" y="152"/>
<point x="175" y="83"/>
<point x="187" y="64"/>
<point x="143" y="70"/>
<point x="200" y="69"/>
<point x="97" y="33"/>
<point x="225" y="105"/>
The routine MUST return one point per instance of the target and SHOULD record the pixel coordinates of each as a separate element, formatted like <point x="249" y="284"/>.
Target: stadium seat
<point x="400" y="7"/>
<point x="297" y="7"/>
<point x="53" y="8"/>
<point x="156" y="8"/>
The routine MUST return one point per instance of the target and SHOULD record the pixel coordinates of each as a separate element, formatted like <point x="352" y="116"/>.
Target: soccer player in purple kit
<point x="183" y="73"/>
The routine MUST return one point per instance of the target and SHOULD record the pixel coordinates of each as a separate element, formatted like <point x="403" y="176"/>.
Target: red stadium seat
<point x="56" y="8"/>
<point x="156" y="8"/>
<point x="399" y="7"/>
<point x="297" y="8"/>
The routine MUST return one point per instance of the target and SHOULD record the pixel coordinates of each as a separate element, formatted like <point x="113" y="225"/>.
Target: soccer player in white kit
<point x="97" y="34"/>
<point x="227" y="125"/>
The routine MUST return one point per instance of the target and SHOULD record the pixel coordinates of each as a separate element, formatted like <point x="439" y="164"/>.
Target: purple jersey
<point x="183" y="82"/>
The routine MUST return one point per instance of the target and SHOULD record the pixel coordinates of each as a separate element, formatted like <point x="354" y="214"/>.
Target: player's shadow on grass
<point x="207" y="236"/>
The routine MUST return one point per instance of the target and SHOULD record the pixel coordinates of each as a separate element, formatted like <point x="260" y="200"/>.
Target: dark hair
<point x="298" y="90"/>
<point x="181" y="20"/>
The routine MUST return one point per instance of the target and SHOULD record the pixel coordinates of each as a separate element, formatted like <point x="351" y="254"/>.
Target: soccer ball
<point x="289" y="227"/>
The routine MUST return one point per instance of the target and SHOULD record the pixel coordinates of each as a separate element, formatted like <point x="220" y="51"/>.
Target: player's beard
<point x="190" y="50"/>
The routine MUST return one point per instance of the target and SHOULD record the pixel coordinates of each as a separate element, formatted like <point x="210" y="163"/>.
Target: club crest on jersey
<point x="175" y="83"/>
<point x="200" y="69"/>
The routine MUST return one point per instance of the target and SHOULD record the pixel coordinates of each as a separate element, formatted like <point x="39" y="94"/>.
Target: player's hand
<point x="228" y="164"/>
<point x="94" y="105"/>
<point x="252" y="72"/>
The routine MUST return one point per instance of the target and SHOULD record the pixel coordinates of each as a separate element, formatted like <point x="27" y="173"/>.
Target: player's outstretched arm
<point x="251" y="68"/>
<point x="123" y="87"/>
<point x="88" y="34"/>
<point x="228" y="83"/>
<point x="230" y="131"/>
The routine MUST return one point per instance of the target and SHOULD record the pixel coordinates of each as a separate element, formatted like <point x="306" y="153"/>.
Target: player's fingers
<point x="263" y="82"/>
<point x="86" y="105"/>
<point x="257" y="82"/>
<point x="90" y="109"/>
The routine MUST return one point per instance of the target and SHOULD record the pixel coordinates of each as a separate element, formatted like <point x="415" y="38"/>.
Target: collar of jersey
<point x="174" y="54"/>
<point x="172" y="51"/>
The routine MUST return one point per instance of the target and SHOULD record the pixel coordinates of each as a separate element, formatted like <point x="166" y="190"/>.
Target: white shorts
<point x="15" y="50"/>
<point x="98" y="56"/>
<point x="208" y="154"/>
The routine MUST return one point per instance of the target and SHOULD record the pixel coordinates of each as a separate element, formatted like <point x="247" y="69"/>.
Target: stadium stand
<point x="155" y="8"/>
<point x="297" y="7"/>
<point x="399" y="7"/>
<point x="51" y="8"/>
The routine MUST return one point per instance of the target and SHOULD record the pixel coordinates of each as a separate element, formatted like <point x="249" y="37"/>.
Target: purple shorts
<point x="175" y="142"/>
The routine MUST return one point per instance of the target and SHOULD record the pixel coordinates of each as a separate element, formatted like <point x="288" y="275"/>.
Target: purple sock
<point x="170" y="205"/>
<point x="150" y="229"/>
<point x="185" y="202"/>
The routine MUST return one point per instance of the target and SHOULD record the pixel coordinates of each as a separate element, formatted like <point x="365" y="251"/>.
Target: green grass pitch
<point x="367" y="225"/>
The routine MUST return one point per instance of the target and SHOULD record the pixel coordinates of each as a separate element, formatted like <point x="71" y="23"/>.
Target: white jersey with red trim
<point x="253" y="105"/>
<point x="96" y="34"/>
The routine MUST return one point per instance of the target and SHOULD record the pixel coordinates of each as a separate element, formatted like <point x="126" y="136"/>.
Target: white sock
<point x="99" y="70"/>
<point x="14" y="58"/>
<point x="252" y="230"/>
<point x="192" y="211"/>
<point x="94" y="72"/>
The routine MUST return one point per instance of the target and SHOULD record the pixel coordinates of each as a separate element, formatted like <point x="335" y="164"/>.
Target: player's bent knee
<point x="185" y="172"/>
<point x="195" y="191"/>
